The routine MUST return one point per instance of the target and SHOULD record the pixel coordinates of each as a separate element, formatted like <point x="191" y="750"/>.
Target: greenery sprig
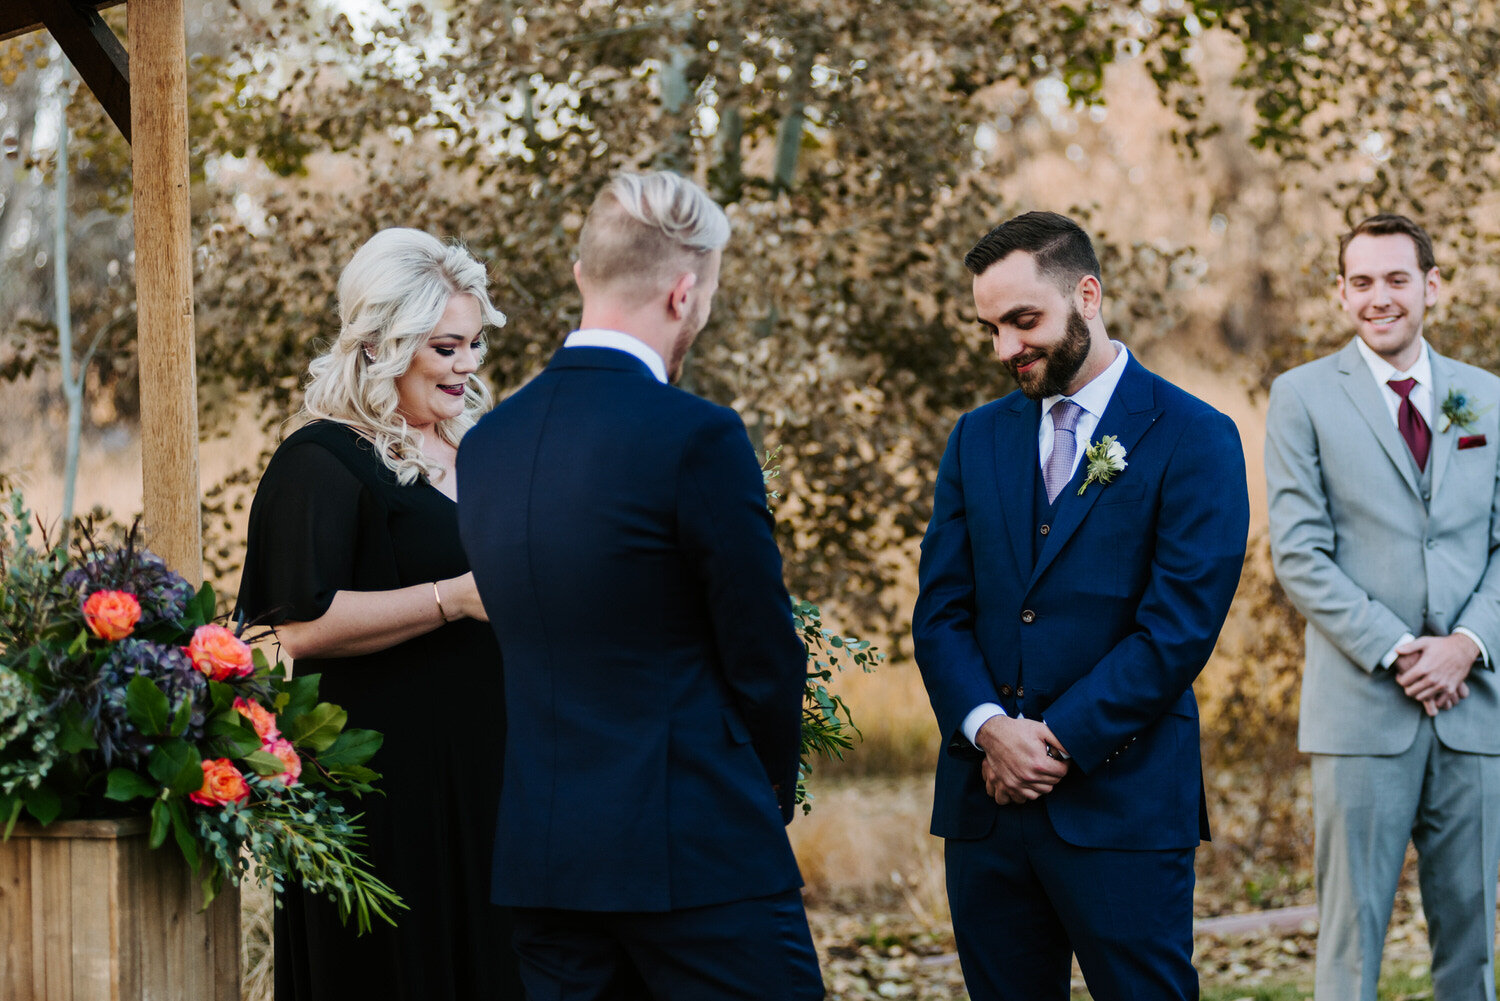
<point x="828" y="728"/>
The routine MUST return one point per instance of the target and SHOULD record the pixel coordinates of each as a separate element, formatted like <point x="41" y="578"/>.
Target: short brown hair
<point x="1390" y="224"/>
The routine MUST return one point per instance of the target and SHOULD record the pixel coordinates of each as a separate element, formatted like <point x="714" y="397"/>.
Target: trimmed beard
<point x="1060" y="363"/>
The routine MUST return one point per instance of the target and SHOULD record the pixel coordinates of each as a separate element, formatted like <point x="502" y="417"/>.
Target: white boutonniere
<point x="1105" y="460"/>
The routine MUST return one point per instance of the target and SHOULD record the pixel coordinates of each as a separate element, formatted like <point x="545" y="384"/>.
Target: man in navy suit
<point x="619" y="536"/>
<point x="1086" y="539"/>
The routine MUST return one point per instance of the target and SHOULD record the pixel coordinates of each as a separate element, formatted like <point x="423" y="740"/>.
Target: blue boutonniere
<point x="1458" y="409"/>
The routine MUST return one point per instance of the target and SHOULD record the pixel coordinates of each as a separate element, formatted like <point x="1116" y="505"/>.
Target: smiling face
<point x="1385" y="292"/>
<point x="432" y="387"/>
<point x="1040" y="335"/>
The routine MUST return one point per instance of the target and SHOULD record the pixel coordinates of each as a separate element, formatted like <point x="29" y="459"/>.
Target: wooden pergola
<point x="144" y="92"/>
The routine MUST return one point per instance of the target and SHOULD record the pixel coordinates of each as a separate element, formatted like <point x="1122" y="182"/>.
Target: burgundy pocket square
<point x="1471" y="441"/>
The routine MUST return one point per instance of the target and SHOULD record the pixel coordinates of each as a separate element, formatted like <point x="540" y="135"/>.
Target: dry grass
<point x="891" y="710"/>
<point x="256" y="961"/>
<point x="865" y="845"/>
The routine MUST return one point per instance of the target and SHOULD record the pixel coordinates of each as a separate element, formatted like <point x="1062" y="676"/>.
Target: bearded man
<point x="1086" y="539"/>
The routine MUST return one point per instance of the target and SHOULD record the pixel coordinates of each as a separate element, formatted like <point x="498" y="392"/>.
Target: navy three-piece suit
<point x="1093" y="614"/>
<point x="619" y="536"/>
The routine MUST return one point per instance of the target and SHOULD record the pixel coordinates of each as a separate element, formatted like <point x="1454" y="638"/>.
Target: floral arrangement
<point x="120" y="696"/>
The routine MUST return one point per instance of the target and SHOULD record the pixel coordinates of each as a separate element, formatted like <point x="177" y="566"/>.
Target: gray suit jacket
<point x="1365" y="557"/>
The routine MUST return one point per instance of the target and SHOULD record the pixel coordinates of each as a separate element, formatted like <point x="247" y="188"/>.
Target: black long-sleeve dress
<point x="329" y="516"/>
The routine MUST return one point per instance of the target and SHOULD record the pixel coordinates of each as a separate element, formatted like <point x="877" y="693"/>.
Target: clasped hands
<point x="1017" y="767"/>
<point x="1432" y="670"/>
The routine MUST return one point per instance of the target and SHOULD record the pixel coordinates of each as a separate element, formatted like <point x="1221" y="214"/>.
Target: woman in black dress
<point x="354" y="557"/>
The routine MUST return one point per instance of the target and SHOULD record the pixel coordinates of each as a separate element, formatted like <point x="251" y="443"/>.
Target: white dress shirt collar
<point x="1095" y="396"/>
<point x="1384" y="371"/>
<point x="619" y="341"/>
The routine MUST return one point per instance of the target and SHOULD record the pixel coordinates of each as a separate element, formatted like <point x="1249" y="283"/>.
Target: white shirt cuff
<point x="1391" y="654"/>
<point x="978" y="717"/>
<point x="1484" y="653"/>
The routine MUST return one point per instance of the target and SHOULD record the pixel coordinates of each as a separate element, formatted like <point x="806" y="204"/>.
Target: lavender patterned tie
<point x="1059" y="468"/>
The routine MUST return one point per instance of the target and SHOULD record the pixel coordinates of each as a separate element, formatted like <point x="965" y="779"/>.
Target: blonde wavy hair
<point x="392" y="294"/>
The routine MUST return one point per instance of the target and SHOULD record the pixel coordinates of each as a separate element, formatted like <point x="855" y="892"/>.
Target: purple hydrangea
<point x="172" y="671"/>
<point x="163" y="594"/>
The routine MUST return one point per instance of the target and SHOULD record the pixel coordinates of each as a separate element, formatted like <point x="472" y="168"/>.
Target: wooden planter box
<point x="89" y="913"/>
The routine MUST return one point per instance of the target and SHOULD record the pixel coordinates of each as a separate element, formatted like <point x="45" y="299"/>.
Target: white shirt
<point x="1423" y="398"/>
<point x="1093" y="398"/>
<point x="1384" y="371"/>
<point x="597" y="338"/>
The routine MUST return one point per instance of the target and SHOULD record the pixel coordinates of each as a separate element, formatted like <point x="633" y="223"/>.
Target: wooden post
<point x="164" y="284"/>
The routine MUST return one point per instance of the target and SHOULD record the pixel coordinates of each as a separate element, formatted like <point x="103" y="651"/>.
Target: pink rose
<point x="222" y="783"/>
<point x="283" y="749"/>
<point x="260" y="717"/>
<point x="111" y="615"/>
<point x="219" y="653"/>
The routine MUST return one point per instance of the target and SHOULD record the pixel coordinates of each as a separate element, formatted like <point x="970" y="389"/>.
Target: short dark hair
<point x="1390" y="224"/>
<point x="1062" y="250"/>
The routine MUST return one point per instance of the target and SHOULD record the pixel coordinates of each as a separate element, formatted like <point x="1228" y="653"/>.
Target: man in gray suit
<point x="1381" y="468"/>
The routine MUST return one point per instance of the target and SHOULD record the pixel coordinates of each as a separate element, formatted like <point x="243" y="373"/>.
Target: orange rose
<point x="111" y="615"/>
<point x="283" y="749"/>
<point x="219" y="653"/>
<point x="260" y="717"/>
<point x="222" y="783"/>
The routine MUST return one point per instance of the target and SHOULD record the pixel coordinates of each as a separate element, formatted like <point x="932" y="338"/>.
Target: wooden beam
<point x="21" y="17"/>
<point x="95" y="53"/>
<point x="164" y="284"/>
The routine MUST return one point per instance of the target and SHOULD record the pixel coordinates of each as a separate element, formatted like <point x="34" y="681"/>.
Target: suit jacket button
<point x="1028" y="616"/>
<point x="1045" y="529"/>
<point x="1431" y="543"/>
<point x="1005" y="690"/>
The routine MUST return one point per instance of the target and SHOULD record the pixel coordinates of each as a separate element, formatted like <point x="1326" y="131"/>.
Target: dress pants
<point x="1365" y="809"/>
<point x="744" y="950"/>
<point x="1025" y="901"/>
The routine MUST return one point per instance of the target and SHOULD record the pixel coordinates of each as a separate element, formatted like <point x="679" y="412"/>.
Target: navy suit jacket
<point x="1102" y="634"/>
<point x="618" y="532"/>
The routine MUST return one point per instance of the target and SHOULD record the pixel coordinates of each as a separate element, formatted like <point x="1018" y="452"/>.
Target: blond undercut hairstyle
<point x="392" y="294"/>
<point x="645" y="230"/>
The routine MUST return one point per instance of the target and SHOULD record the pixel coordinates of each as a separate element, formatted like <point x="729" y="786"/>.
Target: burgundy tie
<point x="1410" y="423"/>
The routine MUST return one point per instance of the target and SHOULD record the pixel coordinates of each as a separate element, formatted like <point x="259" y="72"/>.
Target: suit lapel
<point x="1443" y="443"/>
<point x="1130" y="413"/>
<point x="1360" y="385"/>
<point x="1016" y="466"/>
